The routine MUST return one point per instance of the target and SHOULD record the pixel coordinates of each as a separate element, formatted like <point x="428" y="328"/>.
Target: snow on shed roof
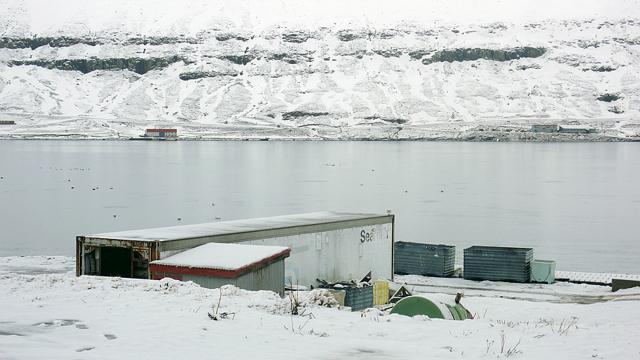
<point x="219" y="256"/>
<point x="233" y="226"/>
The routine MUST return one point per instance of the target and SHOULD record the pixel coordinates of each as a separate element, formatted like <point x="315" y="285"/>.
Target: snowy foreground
<point x="286" y="69"/>
<point x="46" y="312"/>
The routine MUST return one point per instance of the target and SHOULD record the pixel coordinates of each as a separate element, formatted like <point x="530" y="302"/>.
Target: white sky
<point x="162" y="16"/>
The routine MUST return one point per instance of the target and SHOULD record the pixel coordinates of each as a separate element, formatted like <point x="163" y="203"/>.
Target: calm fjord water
<point x="576" y="203"/>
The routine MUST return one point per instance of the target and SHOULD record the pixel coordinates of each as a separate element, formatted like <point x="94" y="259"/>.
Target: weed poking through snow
<point x="219" y="316"/>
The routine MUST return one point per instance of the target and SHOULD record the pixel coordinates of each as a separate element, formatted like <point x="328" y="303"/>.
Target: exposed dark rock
<point x="386" y="34"/>
<point x="137" y="65"/>
<point x="349" y="35"/>
<point x="635" y="41"/>
<point x="419" y="54"/>
<point x="571" y="60"/>
<point x="296" y="37"/>
<point x="608" y="97"/>
<point x="585" y="44"/>
<point x="601" y="68"/>
<point x="360" y="54"/>
<point x="495" y="27"/>
<point x="17" y="43"/>
<point x="224" y="37"/>
<point x="528" y="66"/>
<point x="36" y="42"/>
<point x="304" y="70"/>
<point x="394" y="120"/>
<point x="481" y="137"/>
<point x="232" y="36"/>
<point x="13" y="43"/>
<point x="239" y="59"/>
<point x="290" y="58"/>
<point x="616" y="109"/>
<point x="278" y="56"/>
<point x="606" y="23"/>
<point x="291" y="115"/>
<point x="357" y="53"/>
<point x="472" y="54"/>
<point x="389" y="52"/>
<point x="390" y="120"/>
<point x="193" y="75"/>
<point x="65" y="41"/>
<point x="161" y="40"/>
<point x="425" y="33"/>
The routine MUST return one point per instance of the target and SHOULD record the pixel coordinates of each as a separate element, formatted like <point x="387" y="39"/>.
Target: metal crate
<point x="359" y="298"/>
<point x="423" y="259"/>
<point x="497" y="263"/>
<point x="543" y="271"/>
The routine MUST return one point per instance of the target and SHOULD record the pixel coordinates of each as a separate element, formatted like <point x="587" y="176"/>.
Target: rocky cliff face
<point x="400" y="81"/>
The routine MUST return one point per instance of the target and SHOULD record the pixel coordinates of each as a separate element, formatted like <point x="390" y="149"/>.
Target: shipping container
<point x="497" y="263"/>
<point x="424" y="259"/>
<point x="543" y="271"/>
<point x="329" y="246"/>
<point x="358" y="298"/>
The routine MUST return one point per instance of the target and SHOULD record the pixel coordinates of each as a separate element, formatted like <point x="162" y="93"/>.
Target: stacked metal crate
<point x="497" y="263"/>
<point x="423" y="259"/>
<point x="359" y="298"/>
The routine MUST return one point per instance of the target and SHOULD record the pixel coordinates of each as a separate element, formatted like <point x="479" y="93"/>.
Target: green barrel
<point x="420" y="305"/>
<point x="458" y="312"/>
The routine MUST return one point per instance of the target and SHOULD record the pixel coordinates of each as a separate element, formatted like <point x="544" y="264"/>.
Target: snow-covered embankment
<point x="46" y="312"/>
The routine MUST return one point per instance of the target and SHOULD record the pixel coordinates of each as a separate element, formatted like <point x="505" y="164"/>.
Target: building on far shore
<point x="545" y="128"/>
<point x="576" y="129"/>
<point x="564" y="129"/>
<point x="161" y="134"/>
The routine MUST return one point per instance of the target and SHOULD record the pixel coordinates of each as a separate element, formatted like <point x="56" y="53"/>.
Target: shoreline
<point x="69" y="127"/>
<point x="468" y="139"/>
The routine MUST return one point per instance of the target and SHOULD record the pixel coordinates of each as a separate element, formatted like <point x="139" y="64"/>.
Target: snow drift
<point x="47" y="312"/>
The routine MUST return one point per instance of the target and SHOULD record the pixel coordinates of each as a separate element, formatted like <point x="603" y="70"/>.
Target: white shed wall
<point x="270" y="277"/>
<point x="337" y="255"/>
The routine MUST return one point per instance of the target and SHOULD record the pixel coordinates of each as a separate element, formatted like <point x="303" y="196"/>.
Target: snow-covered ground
<point x="47" y="312"/>
<point x="319" y="69"/>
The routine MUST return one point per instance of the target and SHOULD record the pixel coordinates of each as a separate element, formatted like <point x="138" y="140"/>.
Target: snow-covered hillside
<point x="319" y="69"/>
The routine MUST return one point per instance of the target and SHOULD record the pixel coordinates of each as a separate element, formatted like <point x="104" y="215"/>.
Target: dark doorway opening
<point x="115" y="261"/>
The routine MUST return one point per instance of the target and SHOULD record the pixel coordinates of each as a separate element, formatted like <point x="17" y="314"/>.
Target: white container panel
<point x="337" y="255"/>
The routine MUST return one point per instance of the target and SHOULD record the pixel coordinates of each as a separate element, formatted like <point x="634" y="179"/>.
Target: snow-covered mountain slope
<point x="319" y="69"/>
